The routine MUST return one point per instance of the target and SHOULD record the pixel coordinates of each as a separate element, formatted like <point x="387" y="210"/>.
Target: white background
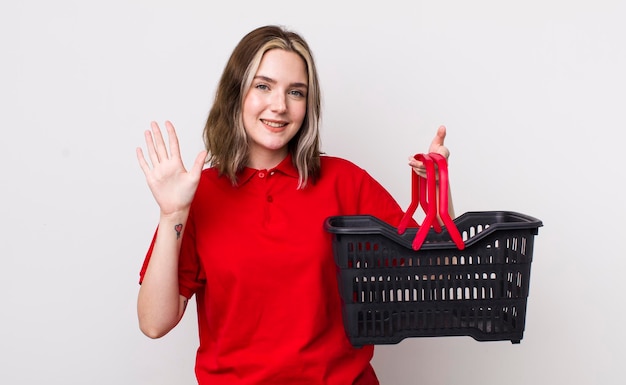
<point x="532" y="93"/>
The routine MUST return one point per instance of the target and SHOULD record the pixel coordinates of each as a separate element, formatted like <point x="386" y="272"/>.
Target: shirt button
<point x="262" y="174"/>
<point x="270" y="199"/>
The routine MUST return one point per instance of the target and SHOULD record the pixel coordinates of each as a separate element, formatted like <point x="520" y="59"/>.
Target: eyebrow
<point x="270" y="80"/>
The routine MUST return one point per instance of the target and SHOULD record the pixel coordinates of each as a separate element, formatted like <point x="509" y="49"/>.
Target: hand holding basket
<point x="424" y="193"/>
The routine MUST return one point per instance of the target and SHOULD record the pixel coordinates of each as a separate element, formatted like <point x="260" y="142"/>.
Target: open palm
<point x="172" y="186"/>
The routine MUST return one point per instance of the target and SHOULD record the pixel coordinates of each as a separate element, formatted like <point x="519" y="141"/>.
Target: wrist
<point x="179" y="216"/>
<point x="174" y="222"/>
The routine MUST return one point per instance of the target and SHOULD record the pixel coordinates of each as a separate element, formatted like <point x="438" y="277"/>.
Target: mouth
<point x="274" y="124"/>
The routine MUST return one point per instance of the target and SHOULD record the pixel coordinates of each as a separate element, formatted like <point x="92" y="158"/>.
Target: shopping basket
<point x="467" y="277"/>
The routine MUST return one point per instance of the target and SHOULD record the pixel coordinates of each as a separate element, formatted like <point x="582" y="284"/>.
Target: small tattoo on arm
<point x="178" y="228"/>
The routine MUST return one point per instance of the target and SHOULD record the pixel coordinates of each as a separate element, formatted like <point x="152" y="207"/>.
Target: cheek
<point x="298" y="111"/>
<point x="251" y="104"/>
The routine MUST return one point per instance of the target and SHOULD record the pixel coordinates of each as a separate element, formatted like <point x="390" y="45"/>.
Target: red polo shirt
<point x="261" y="265"/>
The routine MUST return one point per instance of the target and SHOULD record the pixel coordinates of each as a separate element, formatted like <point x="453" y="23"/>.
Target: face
<point x="275" y="106"/>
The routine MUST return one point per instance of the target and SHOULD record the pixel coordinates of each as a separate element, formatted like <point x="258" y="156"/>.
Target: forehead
<point x="281" y="65"/>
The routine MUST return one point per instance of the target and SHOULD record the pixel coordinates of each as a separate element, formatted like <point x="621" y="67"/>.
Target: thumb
<point x="438" y="139"/>
<point x="198" y="164"/>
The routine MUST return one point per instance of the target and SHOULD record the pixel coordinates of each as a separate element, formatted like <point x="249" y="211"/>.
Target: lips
<point x="273" y="124"/>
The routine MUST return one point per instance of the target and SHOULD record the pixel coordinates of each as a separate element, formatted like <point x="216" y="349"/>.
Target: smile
<point x="273" y="124"/>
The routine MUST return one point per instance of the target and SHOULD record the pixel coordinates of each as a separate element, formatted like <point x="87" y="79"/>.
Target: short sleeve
<point x="374" y="199"/>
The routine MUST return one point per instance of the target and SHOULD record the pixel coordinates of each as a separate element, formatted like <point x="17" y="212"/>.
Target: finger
<point x="437" y="145"/>
<point x="438" y="139"/>
<point x="159" y="143"/>
<point x="142" y="161"/>
<point x="198" y="164"/>
<point x="415" y="163"/>
<point x="152" y="153"/>
<point x="443" y="150"/>
<point x="420" y="172"/>
<point x="173" y="138"/>
<point x="417" y="166"/>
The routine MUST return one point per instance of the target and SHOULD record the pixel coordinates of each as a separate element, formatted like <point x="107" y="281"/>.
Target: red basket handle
<point x="444" y="213"/>
<point x="424" y="192"/>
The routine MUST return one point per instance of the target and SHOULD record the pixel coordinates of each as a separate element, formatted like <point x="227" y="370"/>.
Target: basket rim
<point x="496" y="220"/>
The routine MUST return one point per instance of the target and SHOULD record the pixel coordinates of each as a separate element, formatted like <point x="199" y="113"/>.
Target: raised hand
<point x="435" y="146"/>
<point x="172" y="186"/>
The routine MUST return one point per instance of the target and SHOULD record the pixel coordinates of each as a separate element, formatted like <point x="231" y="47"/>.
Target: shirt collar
<point x="285" y="167"/>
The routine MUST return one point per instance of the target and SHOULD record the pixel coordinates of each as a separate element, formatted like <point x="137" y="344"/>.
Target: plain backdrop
<point x="532" y="93"/>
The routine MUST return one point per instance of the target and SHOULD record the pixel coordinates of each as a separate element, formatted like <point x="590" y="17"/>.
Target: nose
<point x="279" y="102"/>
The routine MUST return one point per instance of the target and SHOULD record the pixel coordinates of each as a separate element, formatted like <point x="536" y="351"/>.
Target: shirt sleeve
<point x="363" y="195"/>
<point x="375" y="200"/>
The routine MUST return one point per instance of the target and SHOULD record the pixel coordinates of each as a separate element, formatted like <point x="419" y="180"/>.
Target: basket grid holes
<point x="486" y="319"/>
<point x="366" y="254"/>
<point x="392" y="292"/>
<point x="472" y="231"/>
<point x="479" y="286"/>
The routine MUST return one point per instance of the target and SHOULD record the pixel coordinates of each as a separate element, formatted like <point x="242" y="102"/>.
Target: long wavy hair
<point x="224" y="135"/>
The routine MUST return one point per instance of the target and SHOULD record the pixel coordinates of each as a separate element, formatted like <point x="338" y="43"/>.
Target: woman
<point x="246" y="234"/>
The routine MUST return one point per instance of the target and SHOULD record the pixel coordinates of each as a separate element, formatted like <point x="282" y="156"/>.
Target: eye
<point x="297" y="93"/>
<point x="262" y="86"/>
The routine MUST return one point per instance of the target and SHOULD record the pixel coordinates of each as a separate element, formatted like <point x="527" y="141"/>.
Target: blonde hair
<point x="224" y="134"/>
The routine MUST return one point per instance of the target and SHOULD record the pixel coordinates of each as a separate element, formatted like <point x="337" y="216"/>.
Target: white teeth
<point x="273" y="124"/>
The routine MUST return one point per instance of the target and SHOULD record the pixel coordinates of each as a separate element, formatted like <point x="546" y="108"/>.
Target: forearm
<point x="159" y="304"/>
<point x="450" y="205"/>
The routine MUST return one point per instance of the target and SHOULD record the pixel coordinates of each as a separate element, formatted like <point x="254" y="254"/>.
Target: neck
<point x="266" y="160"/>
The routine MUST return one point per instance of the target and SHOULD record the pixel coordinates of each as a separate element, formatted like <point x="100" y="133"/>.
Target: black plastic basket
<point x="391" y="291"/>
